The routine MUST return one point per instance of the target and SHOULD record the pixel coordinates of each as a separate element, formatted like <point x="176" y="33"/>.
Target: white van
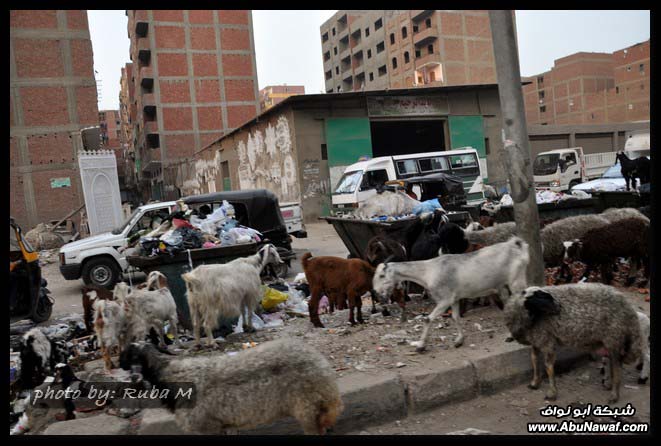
<point x="360" y="180"/>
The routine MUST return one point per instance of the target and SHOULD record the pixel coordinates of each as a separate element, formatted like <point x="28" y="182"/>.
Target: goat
<point x="339" y="279"/>
<point x="276" y="379"/>
<point x="149" y="308"/>
<point x="616" y="214"/>
<point x="230" y="290"/>
<point x="632" y="169"/>
<point x="644" y="364"/>
<point x="488" y="236"/>
<point x="450" y="278"/>
<point x="39" y="355"/>
<point x="600" y="247"/>
<point x="379" y="249"/>
<point x="110" y="323"/>
<point x="585" y="316"/>
<point x="90" y="294"/>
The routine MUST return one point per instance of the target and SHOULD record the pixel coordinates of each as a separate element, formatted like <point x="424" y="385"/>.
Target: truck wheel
<point x="573" y="183"/>
<point x="102" y="272"/>
<point x="44" y="307"/>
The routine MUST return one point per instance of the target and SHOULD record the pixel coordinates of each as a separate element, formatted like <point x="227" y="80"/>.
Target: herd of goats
<point x="286" y="377"/>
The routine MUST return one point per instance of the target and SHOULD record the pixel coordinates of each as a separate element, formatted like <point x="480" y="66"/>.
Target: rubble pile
<point x="42" y="237"/>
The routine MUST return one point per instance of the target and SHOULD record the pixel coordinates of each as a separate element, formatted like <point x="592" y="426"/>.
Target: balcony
<point x="152" y="135"/>
<point x="419" y="14"/>
<point x="149" y="105"/>
<point x="425" y="36"/>
<point x="347" y="77"/>
<point x="141" y="28"/>
<point x="144" y="50"/>
<point x="146" y="78"/>
<point x="427" y="59"/>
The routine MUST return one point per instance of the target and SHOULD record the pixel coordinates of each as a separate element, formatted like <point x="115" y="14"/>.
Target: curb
<point x="370" y="400"/>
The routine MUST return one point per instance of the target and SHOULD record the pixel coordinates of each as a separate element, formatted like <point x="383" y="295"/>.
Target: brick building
<point x="52" y="96"/>
<point x="406" y="48"/>
<point x="592" y="88"/>
<point x="274" y="94"/>
<point x="127" y="110"/>
<point x="109" y="123"/>
<point x="195" y="78"/>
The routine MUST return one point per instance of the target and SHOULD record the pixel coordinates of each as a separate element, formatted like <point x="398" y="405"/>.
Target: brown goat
<point x="341" y="280"/>
<point x="90" y="294"/>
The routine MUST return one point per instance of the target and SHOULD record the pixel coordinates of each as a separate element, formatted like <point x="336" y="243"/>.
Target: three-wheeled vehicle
<point x="28" y="295"/>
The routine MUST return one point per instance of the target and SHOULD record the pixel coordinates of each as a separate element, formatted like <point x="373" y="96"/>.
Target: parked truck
<point x="561" y="169"/>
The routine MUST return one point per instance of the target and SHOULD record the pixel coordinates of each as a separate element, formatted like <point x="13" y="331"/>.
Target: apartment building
<point x="368" y="50"/>
<point x="274" y="94"/>
<point x="109" y="123"/>
<point x="52" y="97"/>
<point x="195" y="78"/>
<point x="592" y="88"/>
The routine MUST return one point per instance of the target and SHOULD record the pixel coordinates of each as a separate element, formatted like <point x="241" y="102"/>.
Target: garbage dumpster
<point x="182" y="262"/>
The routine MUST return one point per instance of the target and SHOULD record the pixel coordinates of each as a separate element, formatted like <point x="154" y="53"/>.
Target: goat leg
<point x="536" y="378"/>
<point x="373" y="295"/>
<point x="549" y="362"/>
<point x="358" y="303"/>
<point x="440" y="307"/>
<point x="456" y="315"/>
<point x="313" y="308"/>
<point x="247" y="320"/>
<point x="616" y="378"/>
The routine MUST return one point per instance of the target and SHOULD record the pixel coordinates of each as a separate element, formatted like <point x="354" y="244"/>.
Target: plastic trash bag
<point x="272" y="297"/>
<point x="191" y="239"/>
<point x="427" y="206"/>
<point x="227" y="238"/>
<point x="300" y="278"/>
<point x="257" y="323"/>
<point x="506" y="200"/>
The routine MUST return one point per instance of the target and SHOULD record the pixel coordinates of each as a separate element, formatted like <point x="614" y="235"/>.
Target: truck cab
<point x="559" y="170"/>
<point x="99" y="260"/>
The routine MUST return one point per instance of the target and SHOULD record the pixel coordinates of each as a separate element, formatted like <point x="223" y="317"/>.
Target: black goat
<point x="632" y="169"/>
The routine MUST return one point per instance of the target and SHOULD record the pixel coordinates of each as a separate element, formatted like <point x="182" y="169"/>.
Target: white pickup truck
<point x="561" y="169"/>
<point x="101" y="260"/>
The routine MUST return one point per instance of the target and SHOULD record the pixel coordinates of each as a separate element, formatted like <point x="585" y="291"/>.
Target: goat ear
<point x="540" y="304"/>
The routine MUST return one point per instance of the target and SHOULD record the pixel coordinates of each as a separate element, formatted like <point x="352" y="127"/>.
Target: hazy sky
<point x="288" y="44"/>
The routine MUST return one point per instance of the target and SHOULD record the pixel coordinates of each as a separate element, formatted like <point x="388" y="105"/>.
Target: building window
<point x="419" y="79"/>
<point x="406" y="57"/>
<point x="617" y="90"/>
<point x="591" y="115"/>
<point x="380" y="47"/>
<point x="324" y="152"/>
<point x="327" y="55"/>
<point x="337" y="70"/>
<point x="541" y="94"/>
<point x="369" y="54"/>
<point x="333" y="31"/>
<point x="378" y="24"/>
<point x="404" y="32"/>
<point x="324" y="38"/>
<point x="371" y="77"/>
<point x="430" y="49"/>
<point x="415" y="29"/>
<point x="417" y="54"/>
<point x="329" y="74"/>
<point x="382" y="70"/>
<point x="642" y="86"/>
<point x="394" y="63"/>
<point x="339" y="88"/>
<point x="428" y="23"/>
<point x="392" y="38"/>
<point x="571" y="102"/>
<point x="540" y="80"/>
<point x="641" y="67"/>
<point x="542" y="109"/>
<point x="367" y="32"/>
<point x="335" y="51"/>
<point x="630" y="106"/>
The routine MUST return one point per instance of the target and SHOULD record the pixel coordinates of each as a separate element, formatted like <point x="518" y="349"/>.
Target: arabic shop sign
<point x="407" y="106"/>
<point x="56" y="183"/>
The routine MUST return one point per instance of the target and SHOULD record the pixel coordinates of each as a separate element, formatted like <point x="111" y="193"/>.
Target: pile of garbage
<point x="42" y="237"/>
<point x="187" y="229"/>
<point x="542" y="196"/>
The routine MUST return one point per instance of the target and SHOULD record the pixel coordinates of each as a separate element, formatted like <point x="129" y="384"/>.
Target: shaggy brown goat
<point x="90" y="294"/>
<point x="340" y="279"/>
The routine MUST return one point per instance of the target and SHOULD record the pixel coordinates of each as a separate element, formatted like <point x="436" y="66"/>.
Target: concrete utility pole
<point x="515" y="140"/>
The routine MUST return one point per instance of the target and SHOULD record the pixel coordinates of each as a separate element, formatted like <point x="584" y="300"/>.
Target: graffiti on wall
<point x="266" y="161"/>
<point x="204" y="172"/>
<point x="314" y="185"/>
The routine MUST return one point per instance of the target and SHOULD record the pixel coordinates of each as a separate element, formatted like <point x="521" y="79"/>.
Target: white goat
<point x="449" y="278"/>
<point x="230" y="290"/>
<point x="110" y="324"/>
<point x="150" y="307"/>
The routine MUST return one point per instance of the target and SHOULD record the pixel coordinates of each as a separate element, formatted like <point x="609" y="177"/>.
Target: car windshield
<point x="545" y="164"/>
<point x="349" y="182"/>
<point x="613" y="172"/>
<point x="120" y="229"/>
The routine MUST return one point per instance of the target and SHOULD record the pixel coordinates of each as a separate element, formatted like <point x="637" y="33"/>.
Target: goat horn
<point x="388" y="259"/>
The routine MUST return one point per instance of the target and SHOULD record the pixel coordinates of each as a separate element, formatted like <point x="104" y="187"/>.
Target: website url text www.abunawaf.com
<point x="591" y="427"/>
